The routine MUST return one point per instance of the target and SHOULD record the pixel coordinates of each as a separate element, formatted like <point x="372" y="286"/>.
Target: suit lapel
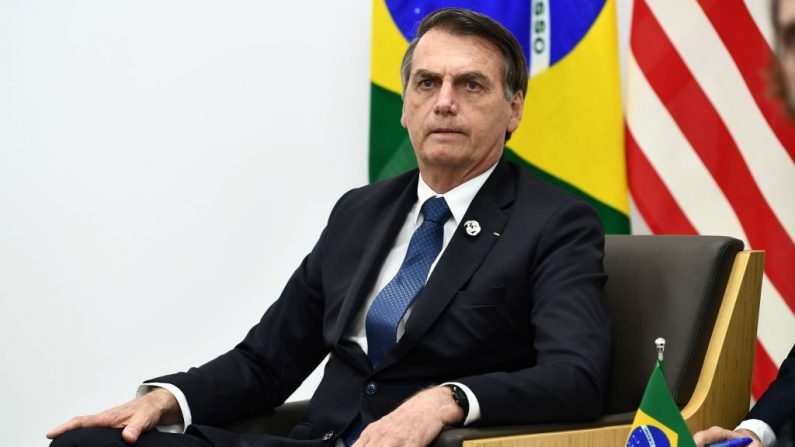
<point x="461" y="258"/>
<point x="376" y="249"/>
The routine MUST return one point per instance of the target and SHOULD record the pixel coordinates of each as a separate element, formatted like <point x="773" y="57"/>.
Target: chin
<point x="443" y="154"/>
<point x="443" y="160"/>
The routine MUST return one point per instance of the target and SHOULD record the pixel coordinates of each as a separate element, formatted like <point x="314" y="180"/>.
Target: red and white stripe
<point x="708" y="152"/>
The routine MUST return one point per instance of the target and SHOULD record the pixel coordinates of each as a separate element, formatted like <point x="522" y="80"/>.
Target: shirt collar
<point x="458" y="198"/>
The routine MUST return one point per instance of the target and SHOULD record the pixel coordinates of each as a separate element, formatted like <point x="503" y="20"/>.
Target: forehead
<point x="442" y="52"/>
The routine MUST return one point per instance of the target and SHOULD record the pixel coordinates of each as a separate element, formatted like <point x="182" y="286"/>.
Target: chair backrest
<point x="662" y="286"/>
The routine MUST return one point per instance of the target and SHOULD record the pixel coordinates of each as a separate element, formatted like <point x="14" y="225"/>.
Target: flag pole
<point x="660" y="342"/>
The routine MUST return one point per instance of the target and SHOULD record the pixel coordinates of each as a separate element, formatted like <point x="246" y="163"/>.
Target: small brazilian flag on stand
<point x="658" y="422"/>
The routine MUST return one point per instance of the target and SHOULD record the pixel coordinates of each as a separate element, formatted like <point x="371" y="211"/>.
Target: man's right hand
<point x="717" y="434"/>
<point x="135" y="417"/>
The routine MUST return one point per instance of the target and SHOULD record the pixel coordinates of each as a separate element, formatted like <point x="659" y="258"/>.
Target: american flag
<point x="708" y="150"/>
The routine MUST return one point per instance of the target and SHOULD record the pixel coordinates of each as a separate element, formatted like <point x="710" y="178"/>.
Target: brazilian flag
<point x="658" y="422"/>
<point x="572" y="133"/>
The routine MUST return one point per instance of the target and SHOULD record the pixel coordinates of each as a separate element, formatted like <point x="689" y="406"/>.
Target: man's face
<point x="786" y="45"/>
<point x="454" y="105"/>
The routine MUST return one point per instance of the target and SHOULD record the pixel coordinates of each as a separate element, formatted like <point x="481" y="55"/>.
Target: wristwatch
<point x="460" y="398"/>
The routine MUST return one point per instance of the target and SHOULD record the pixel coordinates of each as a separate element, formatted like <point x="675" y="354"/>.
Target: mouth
<point x="446" y="131"/>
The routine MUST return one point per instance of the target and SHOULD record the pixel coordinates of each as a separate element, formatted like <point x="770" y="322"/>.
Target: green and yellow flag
<point x="658" y="422"/>
<point x="572" y="133"/>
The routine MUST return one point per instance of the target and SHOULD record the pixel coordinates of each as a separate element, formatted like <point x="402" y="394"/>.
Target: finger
<point x="703" y="437"/>
<point x="61" y="429"/>
<point x="72" y="424"/>
<point x="131" y="433"/>
<point x="723" y="433"/>
<point x="139" y="422"/>
<point x="700" y="439"/>
<point x="713" y="434"/>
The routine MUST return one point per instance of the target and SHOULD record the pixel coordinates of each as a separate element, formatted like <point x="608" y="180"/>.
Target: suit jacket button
<point x="371" y="388"/>
<point x="328" y="435"/>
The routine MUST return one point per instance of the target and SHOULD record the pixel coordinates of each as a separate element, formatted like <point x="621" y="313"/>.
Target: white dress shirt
<point x="458" y="200"/>
<point x="763" y="431"/>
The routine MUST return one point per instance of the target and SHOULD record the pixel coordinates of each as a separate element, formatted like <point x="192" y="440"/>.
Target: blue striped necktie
<point x="395" y="298"/>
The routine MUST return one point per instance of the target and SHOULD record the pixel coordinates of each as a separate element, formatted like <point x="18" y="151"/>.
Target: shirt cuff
<point x="762" y="431"/>
<point x="474" y="405"/>
<point x="182" y="401"/>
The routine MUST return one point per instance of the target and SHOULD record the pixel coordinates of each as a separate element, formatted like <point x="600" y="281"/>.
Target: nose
<point x="445" y="100"/>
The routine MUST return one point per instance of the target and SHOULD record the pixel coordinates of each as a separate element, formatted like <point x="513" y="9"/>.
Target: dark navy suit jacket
<point x="515" y="313"/>
<point x="776" y="407"/>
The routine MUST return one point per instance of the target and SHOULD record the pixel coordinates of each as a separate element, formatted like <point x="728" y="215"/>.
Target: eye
<point x="473" y="85"/>
<point x="426" y="83"/>
<point x="789" y="38"/>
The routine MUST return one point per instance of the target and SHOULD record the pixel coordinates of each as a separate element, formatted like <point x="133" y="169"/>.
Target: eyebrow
<point x="466" y="76"/>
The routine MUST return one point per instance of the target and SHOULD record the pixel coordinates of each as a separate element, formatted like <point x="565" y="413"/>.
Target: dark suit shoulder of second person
<point x="776" y="407"/>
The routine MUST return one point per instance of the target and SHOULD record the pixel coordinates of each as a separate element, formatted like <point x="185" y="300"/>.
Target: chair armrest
<point x="454" y="437"/>
<point x="276" y="422"/>
<point x="279" y="421"/>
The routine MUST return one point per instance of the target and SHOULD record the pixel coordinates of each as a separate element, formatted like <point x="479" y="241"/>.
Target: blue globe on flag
<point x="547" y="29"/>
<point x="648" y="436"/>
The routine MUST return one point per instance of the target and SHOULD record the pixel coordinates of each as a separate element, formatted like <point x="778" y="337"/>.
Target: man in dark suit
<point x="772" y="420"/>
<point x="511" y="321"/>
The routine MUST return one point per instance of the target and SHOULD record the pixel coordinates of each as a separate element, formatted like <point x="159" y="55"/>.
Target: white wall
<point x="164" y="166"/>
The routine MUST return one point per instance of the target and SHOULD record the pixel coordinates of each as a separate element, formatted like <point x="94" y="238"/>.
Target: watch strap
<point x="460" y="398"/>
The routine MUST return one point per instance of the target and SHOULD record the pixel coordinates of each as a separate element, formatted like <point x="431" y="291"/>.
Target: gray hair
<point x="464" y="22"/>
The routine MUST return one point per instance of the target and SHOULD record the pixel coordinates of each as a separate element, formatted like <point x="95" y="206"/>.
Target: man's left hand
<point x="416" y="422"/>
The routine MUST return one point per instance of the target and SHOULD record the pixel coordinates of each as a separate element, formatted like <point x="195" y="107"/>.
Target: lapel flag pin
<point x="472" y="227"/>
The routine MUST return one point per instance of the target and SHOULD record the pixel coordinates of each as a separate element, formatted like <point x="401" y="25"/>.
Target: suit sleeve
<point x="276" y="355"/>
<point x="776" y="407"/>
<point x="571" y="327"/>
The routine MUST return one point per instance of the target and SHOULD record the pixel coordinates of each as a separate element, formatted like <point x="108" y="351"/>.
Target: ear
<point x="517" y="108"/>
<point x="403" y="115"/>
